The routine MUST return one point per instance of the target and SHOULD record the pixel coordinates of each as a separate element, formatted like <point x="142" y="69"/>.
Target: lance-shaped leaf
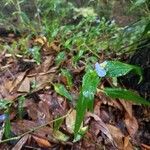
<point x="117" y="69"/>
<point x="89" y="86"/>
<point x="126" y="95"/>
<point x="60" y="89"/>
<point x="86" y="98"/>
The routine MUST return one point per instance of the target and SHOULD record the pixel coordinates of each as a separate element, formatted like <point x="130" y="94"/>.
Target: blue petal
<point x="100" y="70"/>
<point x="3" y="117"/>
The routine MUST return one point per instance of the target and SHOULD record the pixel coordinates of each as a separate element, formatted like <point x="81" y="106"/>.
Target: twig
<point x="92" y="51"/>
<point x="34" y="129"/>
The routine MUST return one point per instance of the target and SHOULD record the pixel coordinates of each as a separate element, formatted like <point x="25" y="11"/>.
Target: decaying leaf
<point x="60" y="136"/>
<point x="117" y="135"/>
<point x="70" y="121"/>
<point x="131" y="124"/>
<point x="42" y="142"/>
<point x="21" y="142"/>
<point x="103" y="127"/>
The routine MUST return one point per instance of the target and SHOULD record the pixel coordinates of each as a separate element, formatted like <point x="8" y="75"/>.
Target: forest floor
<point x="114" y="124"/>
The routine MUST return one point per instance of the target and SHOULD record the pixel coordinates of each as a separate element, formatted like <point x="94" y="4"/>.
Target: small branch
<point x="34" y="129"/>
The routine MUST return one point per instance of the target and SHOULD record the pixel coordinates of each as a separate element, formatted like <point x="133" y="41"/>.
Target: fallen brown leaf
<point x="103" y="128"/>
<point x="117" y="135"/>
<point x="131" y="124"/>
<point x="17" y="82"/>
<point x="21" y="142"/>
<point x="25" y="86"/>
<point x="127" y="144"/>
<point x="42" y="142"/>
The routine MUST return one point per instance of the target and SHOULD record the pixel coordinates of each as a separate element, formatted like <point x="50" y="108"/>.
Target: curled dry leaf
<point x="42" y="142"/>
<point x="131" y="124"/>
<point x="103" y="127"/>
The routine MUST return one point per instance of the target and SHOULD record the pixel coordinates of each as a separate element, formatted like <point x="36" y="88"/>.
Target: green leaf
<point x="139" y="3"/>
<point x="60" y="58"/>
<point x="86" y="97"/>
<point x="68" y="76"/>
<point x="117" y="69"/>
<point x="58" y="123"/>
<point x="60" y="89"/>
<point x="7" y="127"/>
<point x="147" y="28"/>
<point x="60" y="136"/>
<point x="21" y="101"/>
<point x="4" y="104"/>
<point x="81" y="109"/>
<point x="89" y="86"/>
<point x="125" y="94"/>
<point x="35" y="51"/>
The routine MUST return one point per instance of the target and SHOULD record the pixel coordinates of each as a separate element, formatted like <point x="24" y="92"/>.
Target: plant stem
<point x="36" y="128"/>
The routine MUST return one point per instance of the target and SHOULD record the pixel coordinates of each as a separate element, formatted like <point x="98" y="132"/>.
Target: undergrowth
<point x="81" y="31"/>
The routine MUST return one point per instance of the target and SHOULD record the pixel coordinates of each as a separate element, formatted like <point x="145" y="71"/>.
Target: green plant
<point x="91" y="80"/>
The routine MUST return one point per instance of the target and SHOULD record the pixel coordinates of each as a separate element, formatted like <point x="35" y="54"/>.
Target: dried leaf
<point x="41" y="142"/>
<point x="70" y="121"/>
<point x="60" y="136"/>
<point x="131" y="124"/>
<point x="127" y="144"/>
<point x="103" y="127"/>
<point x="25" y="86"/>
<point x="17" y="82"/>
<point x="21" y="142"/>
<point x="60" y="89"/>
<point x="117" y="135"/>
<point x="23" y="126"/>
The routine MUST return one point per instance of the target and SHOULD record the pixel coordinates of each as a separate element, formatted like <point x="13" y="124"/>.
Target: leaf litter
<point x="51" y="90"/>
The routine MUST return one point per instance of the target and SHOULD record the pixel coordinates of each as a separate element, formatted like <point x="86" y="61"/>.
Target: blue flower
<point x="3" y="117"/>
<point x="100" y="69"/>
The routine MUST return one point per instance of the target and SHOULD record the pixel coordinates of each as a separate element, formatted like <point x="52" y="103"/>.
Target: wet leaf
<point x="81" y="109"/>
<point x="126" y="95"/>
<point x="60" y="89"/>
<point x="86" y="97"/>
<point x="89" y="85"/>
<point x="117" y="69"/>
